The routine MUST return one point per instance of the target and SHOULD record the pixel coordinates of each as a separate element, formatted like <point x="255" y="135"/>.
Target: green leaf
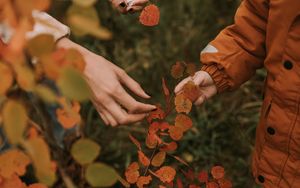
<point x="45" y="93"/>
<point x="101" y="175"/>
<point x="72" y="85"/>
<point x="40" y="155"/>
<point x="84" y="3"/>
<point x="41" y="45"/>
<point x="85" y="151"/>
<point x="14" y="121"/>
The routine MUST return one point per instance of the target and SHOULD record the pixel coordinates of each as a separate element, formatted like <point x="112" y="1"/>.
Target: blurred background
<point x="224" y="127"/>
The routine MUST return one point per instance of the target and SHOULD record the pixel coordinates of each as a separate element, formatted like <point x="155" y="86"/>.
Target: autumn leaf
<point x="25" y="77"/>
<point x="159" y="159"/>
<point x="175" y="133"/>
<point x="101" y="175"/>
<point x="151" y="141"/>
<point x="218" y="172"/>
<point x="182" y="104"/>
<point x="132" y="173"/>
<point x="85" y="151"/>
<point x="45" y="93"/>
<point x="37" y="150"/>
<point x="69" y="118"/>
<point x="143" y="180"/>
<point x="183" y="122"/>
<point x="166" y="174"/>
<point x="135" y="141"/>
<point x="212" y="185"/>
<point x="189" y="174"/>
<point x="203" y="177"/>
<point x="157" y="114"/>
<point x="191" y="91"/>
<point x="191" y="69"/>
<point x="194" y="186"/>
<point x="13" y="182"/>
<point x="154" y="127"/>
<point x="150" y="15"/>
<point x="37" y="185"/>
<point x="37" y="48"/>
<point x="6" y="77"/>
<point x="224" y="183"/>
<point x="85" y="3"/>
<point x="14" y="120"/>
<point x="74" y="57"/>
<point x="172" y="146"/>
<point x="179" y="183"/>
<point x="143" y="158"/>
<point x="13" y="162"/>
<point x="177" y="70"/>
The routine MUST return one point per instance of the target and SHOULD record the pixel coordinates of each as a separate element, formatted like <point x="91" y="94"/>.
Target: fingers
<point x="200" y="100"/>
<point x="137" y="2"/>
<point x="132" y="9"/>
<point x="121" y="116"/>
<point x="179" y="87"/>
<point x="120" y="5"/>
<point x="132" y="84"/>
<point x="130" y="103"/>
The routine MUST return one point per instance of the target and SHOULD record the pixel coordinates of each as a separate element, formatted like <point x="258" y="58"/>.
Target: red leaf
<point x="224" y="183"/>
<point x="183" y="121"/>
<point x="151" y="140"/>
<point x="132" y="173"/>
<point x="191" y="69"/>
<point x="194" y="186"/>
<point x="164" y="126"/>
<point x="179" y="183"/>
<point x="143" y="180"/>
<point x="150" y="15"/>
<point x="212" y="185"/>
<point x="177" y="70"/>
<point x="175" y="133"/>
<point x="154" y="127"/>
<point x="135" y="141"/>
<point x="157" y="114"/>
<point x="166" y="174"/>
<point x="218" y="172"/>
<point x="203" y="177"/>
<point x="143" y="158"/>
<point x="172" y="146"/>
<point x="191" y="91"/>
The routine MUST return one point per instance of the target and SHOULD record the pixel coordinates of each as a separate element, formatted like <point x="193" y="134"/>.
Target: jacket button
<point x="261" y="179"/>
<point x="288" y="65"/>
<point x="271" y="130"/>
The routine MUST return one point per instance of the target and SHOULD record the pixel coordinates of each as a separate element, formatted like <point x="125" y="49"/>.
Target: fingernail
<point x="123" y="4"/>
<point x="130" y="10"/>
<point x="154" y="110"/>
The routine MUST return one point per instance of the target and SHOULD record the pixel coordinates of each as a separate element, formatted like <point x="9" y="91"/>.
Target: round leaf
<point x="14" y="119"/>
<point x="72" y="85"/>
<point x="85" y="151"/>
<point x="101" y="175"/>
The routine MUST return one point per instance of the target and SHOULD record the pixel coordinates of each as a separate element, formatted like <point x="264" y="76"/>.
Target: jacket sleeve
<point x="235" y="54"/>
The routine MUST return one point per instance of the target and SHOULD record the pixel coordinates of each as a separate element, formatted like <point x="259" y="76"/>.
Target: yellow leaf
<point x="101" y="175"/>
<point x="41" y="45"/>
<point x="40" y="155"/>
<point x="85" y="151"/>
<point x="45" y="93"/>
<point x="15" y="120"/>
<point x="6" y="77"/>
<point x="159" y="159"/>
<point x="25" y="77"/>
<point x="72" y="85"/>
<point x="85" y="3"/>
<point x="13" y="162"/>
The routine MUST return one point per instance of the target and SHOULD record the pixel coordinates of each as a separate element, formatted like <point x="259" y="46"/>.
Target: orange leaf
<point x="154" y="127"/>
<point x="183" y="121"/>
<point x="6" y="77"/>
<point x="177" y="70"/>
<point x="175" y="133"/>
<point x="132" y="173"/>
<point x="157" y="114"/>
<point x="13" y="182"/>
<point x="218" y="172"/>
<point x="191" y="69"/>
<point x="212" y="185"/>
<point x="151" y="140"/>
<point x="164" y="126"/>
<point x="150" y="15"/>
<point x="159" y="159"/>
<point x="135" y="141"/>
<point x="179" y="183"/>
<point x="194" y="186"/>
<point x="166" y="174"/>
<point x="13" y="162"/>
<point x="224" y="183"/>
<point x="182" y="104"/>
<point x="143" y="158"/>
<point x="69" y="118"/>
<point x="203" y="177"/>
<point x="37" y="185"/>
<point x="143" y="180"/>
<point x="191" y="91"/>
<point x="172" y="146"/>
<point x="25" y="77"/>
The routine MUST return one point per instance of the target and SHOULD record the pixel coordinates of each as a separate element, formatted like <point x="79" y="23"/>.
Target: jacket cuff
<point x="218" y="76"/>
<point x="45" y="24"/>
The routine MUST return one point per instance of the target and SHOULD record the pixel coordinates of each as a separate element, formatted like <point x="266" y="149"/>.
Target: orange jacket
<point x="266" y="33"/>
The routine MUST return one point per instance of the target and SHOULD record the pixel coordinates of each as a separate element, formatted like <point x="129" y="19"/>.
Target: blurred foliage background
<point x="224" y="128"/>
